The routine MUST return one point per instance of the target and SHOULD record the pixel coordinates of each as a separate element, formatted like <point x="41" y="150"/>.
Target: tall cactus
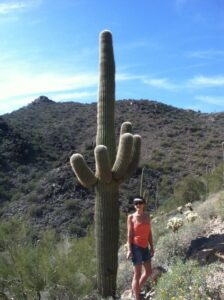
<point x="111" y="169"/>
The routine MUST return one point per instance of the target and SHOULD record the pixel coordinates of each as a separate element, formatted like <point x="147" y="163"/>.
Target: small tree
<point x="188" y="190"/>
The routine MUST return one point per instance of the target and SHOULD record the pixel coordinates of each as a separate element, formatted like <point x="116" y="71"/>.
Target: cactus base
<point x="107" y="237"/>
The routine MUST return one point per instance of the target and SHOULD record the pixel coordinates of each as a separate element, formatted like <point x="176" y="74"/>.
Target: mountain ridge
<point x="176" y="143"/>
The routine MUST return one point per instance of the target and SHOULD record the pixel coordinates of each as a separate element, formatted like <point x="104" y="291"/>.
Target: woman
<point x="139" y="238"/>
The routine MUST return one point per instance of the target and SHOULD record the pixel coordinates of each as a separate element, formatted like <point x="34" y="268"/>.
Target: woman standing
<point x="139" y="238"/>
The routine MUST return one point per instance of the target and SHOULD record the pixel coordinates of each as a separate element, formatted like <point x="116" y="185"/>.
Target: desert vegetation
<point x="55" y="266"/>
<point x="48" y="266"/>
<point x="190" y="257"/>
<point x="53" y="214"/>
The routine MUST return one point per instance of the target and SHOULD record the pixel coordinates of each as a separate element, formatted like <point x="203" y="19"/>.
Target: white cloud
<point x="215" y="100"/>
<point x="206" y="54"/>
<point x="65" y="96"/>
<point x="8" y="7"/>
<point x="17" y="84"/>
<point x="203" y="81"/>
<point x="124" y="77"/>
<point x="19" y="89"/>
<point x="162" y="83"/>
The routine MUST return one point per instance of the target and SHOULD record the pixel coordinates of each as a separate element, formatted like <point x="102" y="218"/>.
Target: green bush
<point x="215" y="179"/>
<point x="169" y="248"/>
<point x="16" y="196"/>
<point x="166" y="187"/>
<point x="159" y="227"/>
<point x="190" y="189"/>
<point x="36" y="211"/>
<point x="5" y="195"/>
<point x="72" y="204"/>
<point x="174" y="246"/>
<point x="32" y="197"/>
<point x="220" y="206"/>
<point x="184" y="281"/>
<point x="213" y="207"/>
<point x="76" y="229"/>
<point x="60" y="267"/>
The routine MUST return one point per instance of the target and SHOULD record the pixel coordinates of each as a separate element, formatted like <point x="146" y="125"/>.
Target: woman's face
<point x="139" y="205"/>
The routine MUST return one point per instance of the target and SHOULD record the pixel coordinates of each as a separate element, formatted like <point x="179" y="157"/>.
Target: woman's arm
<point x="129" y="235"/>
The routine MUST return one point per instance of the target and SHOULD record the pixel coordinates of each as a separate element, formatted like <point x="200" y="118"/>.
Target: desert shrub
<point x="167" y="167"/>
<point x="36" y="211"/>
<point x="31" y="185"/>
<point x="212" y="207"/>
<point x="215" y="281"/>
<point x="1" y="211"/>
<point x="32" y="197"/>
<point x="5" y="195"/>
<point x="207" y="210"/>
<point x="188" y="190"/>
<point x="170" y="203"/>
<point x="165" y="144"/>
<point x="159" y="227"/>
<point x="75" y="268"/>
<point x="184" y="281"/>
<point x="153" y="165"/>
<point x="125" y="271"/>
<point x="168" y="249"/>
<point x="220" y="206"/>
<point x="76" y="229"/>
<point x="208" y="145"/>
<point x="23" y="169"/>
<point x="157" y="155"/>
<point x="173" y="246"/>
<point x="195" y="128"/>
<point x="62" y="268"/>
<point x="175" y="223"/>
<point x="166" y="187"/>
<point x="215" y="180"/>
<point x="17" y="196"/>
<point x="72" y="204"/>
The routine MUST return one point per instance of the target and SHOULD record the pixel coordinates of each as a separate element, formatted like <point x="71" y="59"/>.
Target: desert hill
<point x="37" y="141"/>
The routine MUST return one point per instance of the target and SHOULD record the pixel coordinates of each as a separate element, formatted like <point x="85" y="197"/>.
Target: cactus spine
<point x="112" y="167"/>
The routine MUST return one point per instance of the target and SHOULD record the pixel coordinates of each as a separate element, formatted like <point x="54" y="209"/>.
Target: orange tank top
<point x="141" y="234"/>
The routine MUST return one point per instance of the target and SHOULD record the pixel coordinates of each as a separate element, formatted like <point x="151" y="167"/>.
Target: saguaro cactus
<point x="112" y="167"/>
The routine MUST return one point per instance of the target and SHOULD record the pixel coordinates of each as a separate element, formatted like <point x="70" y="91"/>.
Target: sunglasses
<point x="139" y="202"/>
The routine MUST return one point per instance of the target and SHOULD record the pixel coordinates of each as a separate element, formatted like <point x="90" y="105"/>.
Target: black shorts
<point x="140" y="255"/>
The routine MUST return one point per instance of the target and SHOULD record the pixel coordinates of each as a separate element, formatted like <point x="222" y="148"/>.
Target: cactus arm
<point x="135" y="155"/>
<point x="103" y="166"/>
<point x="106" y="96"/>
<point x="126" y="127"/>
<point x="123" y="156"/>
<point x="85" y="176"/>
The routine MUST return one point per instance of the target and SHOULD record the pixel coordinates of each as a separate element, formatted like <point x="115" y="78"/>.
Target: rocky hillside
<point x="37" y="141"/>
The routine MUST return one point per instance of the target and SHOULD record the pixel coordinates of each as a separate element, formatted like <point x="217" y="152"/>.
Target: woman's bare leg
<point x="147" y="271"/>
<point x="135" y="281"/>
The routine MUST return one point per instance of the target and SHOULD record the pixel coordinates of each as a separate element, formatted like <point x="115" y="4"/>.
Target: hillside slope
<point x="38" y="140"/>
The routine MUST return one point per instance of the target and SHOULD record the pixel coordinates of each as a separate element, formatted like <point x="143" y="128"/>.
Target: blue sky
<point x="170" y="51"/>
